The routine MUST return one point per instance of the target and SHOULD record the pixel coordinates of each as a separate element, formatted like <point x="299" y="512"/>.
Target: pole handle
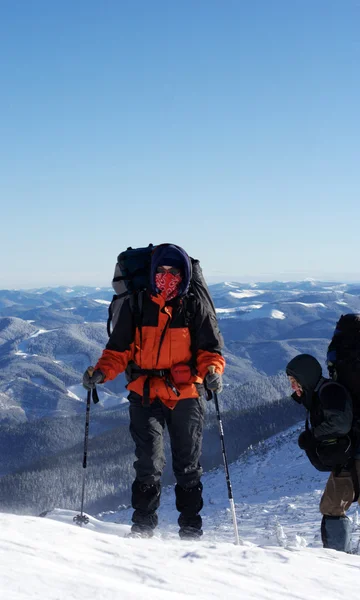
<point x="211" y="369"/>
<point x="95" y="395"/>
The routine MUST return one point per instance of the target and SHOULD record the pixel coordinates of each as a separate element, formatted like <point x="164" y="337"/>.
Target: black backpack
<point x="332" y="453"/>
<point x="343" y="362"/>
<point x="343" y="357"/>
<point x="132" y="277"/>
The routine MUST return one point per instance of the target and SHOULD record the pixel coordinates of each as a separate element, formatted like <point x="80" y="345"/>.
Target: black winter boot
<point x="189" y="503"/>
<point x="145" y="500"/>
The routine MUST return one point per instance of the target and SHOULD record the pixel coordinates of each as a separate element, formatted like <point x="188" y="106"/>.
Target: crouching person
<point x="330" y="445"/>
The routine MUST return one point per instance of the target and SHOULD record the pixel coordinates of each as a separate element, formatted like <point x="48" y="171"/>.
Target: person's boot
<point x="145" y="500"/>
<point x="189" y="503"/>
<point x="141" y="531"/>
<point x="336" y="533"/>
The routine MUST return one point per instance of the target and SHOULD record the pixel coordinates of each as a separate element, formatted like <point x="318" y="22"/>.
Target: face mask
<point x="168" y="284"/>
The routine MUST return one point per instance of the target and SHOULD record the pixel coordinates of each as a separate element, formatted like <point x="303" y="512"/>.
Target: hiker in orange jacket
<point x="170" y="346"/>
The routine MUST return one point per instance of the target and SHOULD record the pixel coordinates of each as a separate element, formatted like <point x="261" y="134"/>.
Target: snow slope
<point x="48" y="560"/>
<point x="276" y="493"/>
<point x="273" y="484"/>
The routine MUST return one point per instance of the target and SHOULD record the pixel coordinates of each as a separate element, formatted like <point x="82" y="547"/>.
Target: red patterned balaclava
<point x="168" y="284"/>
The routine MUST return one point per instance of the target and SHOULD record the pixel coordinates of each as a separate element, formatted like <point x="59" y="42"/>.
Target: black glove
<point x="90" y="381"/>
<point x="213" y="381"/>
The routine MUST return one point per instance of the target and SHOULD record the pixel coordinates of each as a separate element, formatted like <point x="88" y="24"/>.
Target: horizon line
<point x="215" y="280"/>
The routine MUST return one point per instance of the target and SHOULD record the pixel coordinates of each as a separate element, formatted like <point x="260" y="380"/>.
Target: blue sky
<point x="230" y="127"/>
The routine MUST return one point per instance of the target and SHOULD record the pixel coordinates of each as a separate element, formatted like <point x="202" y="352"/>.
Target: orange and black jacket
<point x="164" y="337"/>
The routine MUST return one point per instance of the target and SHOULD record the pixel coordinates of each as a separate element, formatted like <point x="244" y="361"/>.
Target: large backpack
<point x="132" y="277"/>
<point x="343" y="357"/>
<point x="330" y="453"/>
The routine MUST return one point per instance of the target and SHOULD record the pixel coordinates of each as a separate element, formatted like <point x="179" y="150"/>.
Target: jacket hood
<point x="308" y="372"/>
<point x="170" y="254"/>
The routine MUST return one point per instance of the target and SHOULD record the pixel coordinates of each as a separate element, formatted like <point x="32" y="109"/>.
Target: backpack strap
<point x="110" y="315"/>
<point x="163" y="373"/>
<point x="189" y="307"/>
<point x="355" y="480"/>
<point x="110" y="310"/>
<point x="95" y="396"/>
<point x="321" y="384"/>
<point x="136" y="305"/>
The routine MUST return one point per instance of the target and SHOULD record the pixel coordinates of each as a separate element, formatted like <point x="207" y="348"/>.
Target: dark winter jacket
<point x="329" y="403"/>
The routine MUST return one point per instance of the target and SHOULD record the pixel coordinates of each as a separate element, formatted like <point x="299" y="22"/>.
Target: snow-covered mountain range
<point x="49" y="336"/>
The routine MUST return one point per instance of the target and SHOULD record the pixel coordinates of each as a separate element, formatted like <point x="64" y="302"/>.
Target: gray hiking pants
<point x="185" y="426"/>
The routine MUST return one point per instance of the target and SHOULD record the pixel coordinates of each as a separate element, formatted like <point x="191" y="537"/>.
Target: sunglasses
<point x="172" y="270"/>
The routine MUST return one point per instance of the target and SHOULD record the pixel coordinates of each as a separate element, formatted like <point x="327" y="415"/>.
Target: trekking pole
<point x="226" y="466"/>
<point x="80" y="519"/>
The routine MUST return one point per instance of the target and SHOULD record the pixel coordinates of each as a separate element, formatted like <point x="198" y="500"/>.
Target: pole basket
<point x="81" y="519"/>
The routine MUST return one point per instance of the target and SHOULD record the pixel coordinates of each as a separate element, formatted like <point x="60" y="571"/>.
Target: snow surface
<point x="307" y="304"/>
<point x="106" y="399"/>
<point x="73" y="396"/>
<point x="276" y="492"/>
<point x="22" y="347"/>
<point x="41" y="332"/>
<point x="45" y="559"/>
<point x="277" y="314"/>
<point x="224" y="311"/>
<point x="246" y="293"/>
<point x="263" y="312"/>
<point x="249" y="312"/>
